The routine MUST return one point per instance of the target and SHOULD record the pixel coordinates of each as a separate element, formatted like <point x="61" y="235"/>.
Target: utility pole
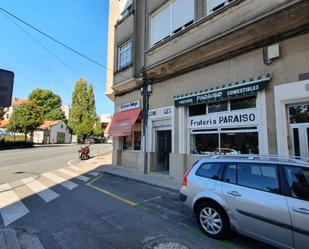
<point x="146" y="91"/>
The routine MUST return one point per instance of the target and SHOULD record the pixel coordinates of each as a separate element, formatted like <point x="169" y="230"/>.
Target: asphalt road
<point x="22" y="163"/>
<point x="112" y="212"/>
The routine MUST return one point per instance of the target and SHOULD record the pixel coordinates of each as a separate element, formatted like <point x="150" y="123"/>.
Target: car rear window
<point x="210" y="170"/>
<point x="298" y="180"/>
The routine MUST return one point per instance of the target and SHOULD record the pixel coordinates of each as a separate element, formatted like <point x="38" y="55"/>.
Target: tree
<point x="1" y="113"/>
<point x="83" y="115"/>
<point x="26" y="118"/>
<point x="98" y="131"/>
<point x="49" y="102"/>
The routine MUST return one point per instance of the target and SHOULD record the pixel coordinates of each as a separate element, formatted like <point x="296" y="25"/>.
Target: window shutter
<point x="161" y="25"/>
<point x="183" y="13"/>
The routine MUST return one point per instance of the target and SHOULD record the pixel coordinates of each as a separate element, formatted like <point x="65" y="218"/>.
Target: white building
<point x="14" y="104"/>
<point x="67" y="110"/>
<point x="52" y="132"/>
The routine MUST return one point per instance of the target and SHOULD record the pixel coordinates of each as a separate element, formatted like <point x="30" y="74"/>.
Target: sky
<point x="80" y="24"/>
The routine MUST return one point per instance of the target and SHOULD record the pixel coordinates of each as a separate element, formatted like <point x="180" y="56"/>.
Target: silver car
<point x="263" y="197"/>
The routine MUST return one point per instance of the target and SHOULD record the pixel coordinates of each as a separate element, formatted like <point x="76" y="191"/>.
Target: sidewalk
<point x="103" y="163"/>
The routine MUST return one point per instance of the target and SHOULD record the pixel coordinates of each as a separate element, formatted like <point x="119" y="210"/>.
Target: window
<point x="299" y="114"/>
<point x="259" y="176"/>
<point x="217" y="107"/>
<point x="210" y="170"/>
<point x="231" y="142"/>
<point x="240" y="143"/>
<point x="127" y="142"/>
<point x="170" y="19"/>
<point x="125" y="55"/>
<point x="205" y="144"/>
<point x="125" y="6"/>
<point x="298" y="180"/>
<point x="195" y="110"/>
<point x="243" y="103"/>
<point x="132" y="142"/>
<point x="230" y="174"/>
<point x="137" y="140"/>
<point x="214" y="5"/>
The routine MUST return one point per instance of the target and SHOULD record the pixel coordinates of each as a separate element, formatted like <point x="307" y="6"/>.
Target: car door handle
<point x="234" y="193"/>
<point x="301" y="210"/>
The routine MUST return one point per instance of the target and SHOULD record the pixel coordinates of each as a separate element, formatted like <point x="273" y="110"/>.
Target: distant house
<point x="14" y="104"/>
<point x="52" y="132"/>
<point x="3" y="127"/>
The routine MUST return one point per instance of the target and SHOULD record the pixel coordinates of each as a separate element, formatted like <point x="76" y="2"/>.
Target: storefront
<point x="230" y="119"/>
<point x="125" y="128"/>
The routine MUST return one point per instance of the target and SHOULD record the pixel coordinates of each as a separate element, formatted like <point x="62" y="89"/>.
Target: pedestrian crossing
<point x="13" y="195"/>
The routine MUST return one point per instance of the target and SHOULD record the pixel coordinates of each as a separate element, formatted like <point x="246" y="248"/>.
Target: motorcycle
<point x="84" y="153"/>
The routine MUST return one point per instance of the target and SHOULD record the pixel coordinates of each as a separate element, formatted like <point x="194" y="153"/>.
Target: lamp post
<point x="146" y="91"/>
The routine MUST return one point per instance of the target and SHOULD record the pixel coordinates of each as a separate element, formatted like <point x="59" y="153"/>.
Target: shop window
<point x="132" y="142"/>
<point x="205" y="144"/>
<point x="217" y="107"/>
<point x="195" y="110"/>
<point x="232" y="143"/>
<point x="137" y="140"/>
<point x="127" y="142"/>
<point x="239" y="143"/>
<point x="125" y="55"/>
<point x="243" y="103"/>
<point x="299" y="114"/>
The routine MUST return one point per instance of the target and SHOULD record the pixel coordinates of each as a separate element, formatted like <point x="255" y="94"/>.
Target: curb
<point x="141" y="181"/>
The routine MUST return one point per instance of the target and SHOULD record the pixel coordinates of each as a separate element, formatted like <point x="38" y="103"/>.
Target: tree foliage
<point x="26" y="118"/>
<point x="98" y="131"/>
<point x="49" y="102"/>
<point x="83" y="115"/>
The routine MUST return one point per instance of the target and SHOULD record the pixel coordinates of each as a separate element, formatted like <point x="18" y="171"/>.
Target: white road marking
<point x="41" y="190"/>
<point x="59" y="180"/>
<point x="73" y="174"/>
<point x="76" y="168"/>
<point x="93" y="173"/>
<point x="11" y="208"/>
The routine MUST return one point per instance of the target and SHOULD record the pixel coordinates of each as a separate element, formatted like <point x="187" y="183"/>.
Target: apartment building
<point x="222" y="76"/>
<point x="15" y="103"/>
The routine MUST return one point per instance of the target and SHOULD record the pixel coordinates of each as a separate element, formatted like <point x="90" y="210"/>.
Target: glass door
<point x="299" y="130"/>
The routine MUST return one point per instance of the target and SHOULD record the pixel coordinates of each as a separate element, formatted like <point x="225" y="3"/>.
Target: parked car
<point x="89" y="141"/>
<point x="263" y="197"/>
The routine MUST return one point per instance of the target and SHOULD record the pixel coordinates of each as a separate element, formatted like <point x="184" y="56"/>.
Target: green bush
<point x="15" y="145"/>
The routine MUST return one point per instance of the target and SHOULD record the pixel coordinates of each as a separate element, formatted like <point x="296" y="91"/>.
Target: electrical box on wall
<point x="273" y="51"/>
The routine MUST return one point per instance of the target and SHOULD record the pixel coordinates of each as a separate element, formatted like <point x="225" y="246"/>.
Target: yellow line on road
<point x="109" y="193"/>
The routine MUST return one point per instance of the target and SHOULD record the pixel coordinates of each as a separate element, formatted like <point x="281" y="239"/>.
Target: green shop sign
<point x="223" y="93"/>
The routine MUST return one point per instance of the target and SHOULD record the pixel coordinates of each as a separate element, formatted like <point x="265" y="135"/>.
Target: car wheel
<point x="213" y="220"/>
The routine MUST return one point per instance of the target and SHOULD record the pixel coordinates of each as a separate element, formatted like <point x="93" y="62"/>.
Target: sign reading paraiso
<point x="224" y="119"/>
<point x="222" y="94"/>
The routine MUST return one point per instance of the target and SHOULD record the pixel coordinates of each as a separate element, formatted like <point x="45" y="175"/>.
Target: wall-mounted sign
<point x="130" y="106"/>
<point x="161" y="123"/>
<point x="224" y="119"/>
<point x="6" y="87"/>
<point x="223" y="94"/>
<point x="161" y="112"/>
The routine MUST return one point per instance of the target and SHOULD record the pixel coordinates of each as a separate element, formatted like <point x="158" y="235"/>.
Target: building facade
<point x="52" y="132"/>
<point x="8" y="111"/>
<point x="222" y="76"/>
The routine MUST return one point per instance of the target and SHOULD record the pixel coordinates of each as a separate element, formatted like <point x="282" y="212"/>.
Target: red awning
<point x="122" y="123"/>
